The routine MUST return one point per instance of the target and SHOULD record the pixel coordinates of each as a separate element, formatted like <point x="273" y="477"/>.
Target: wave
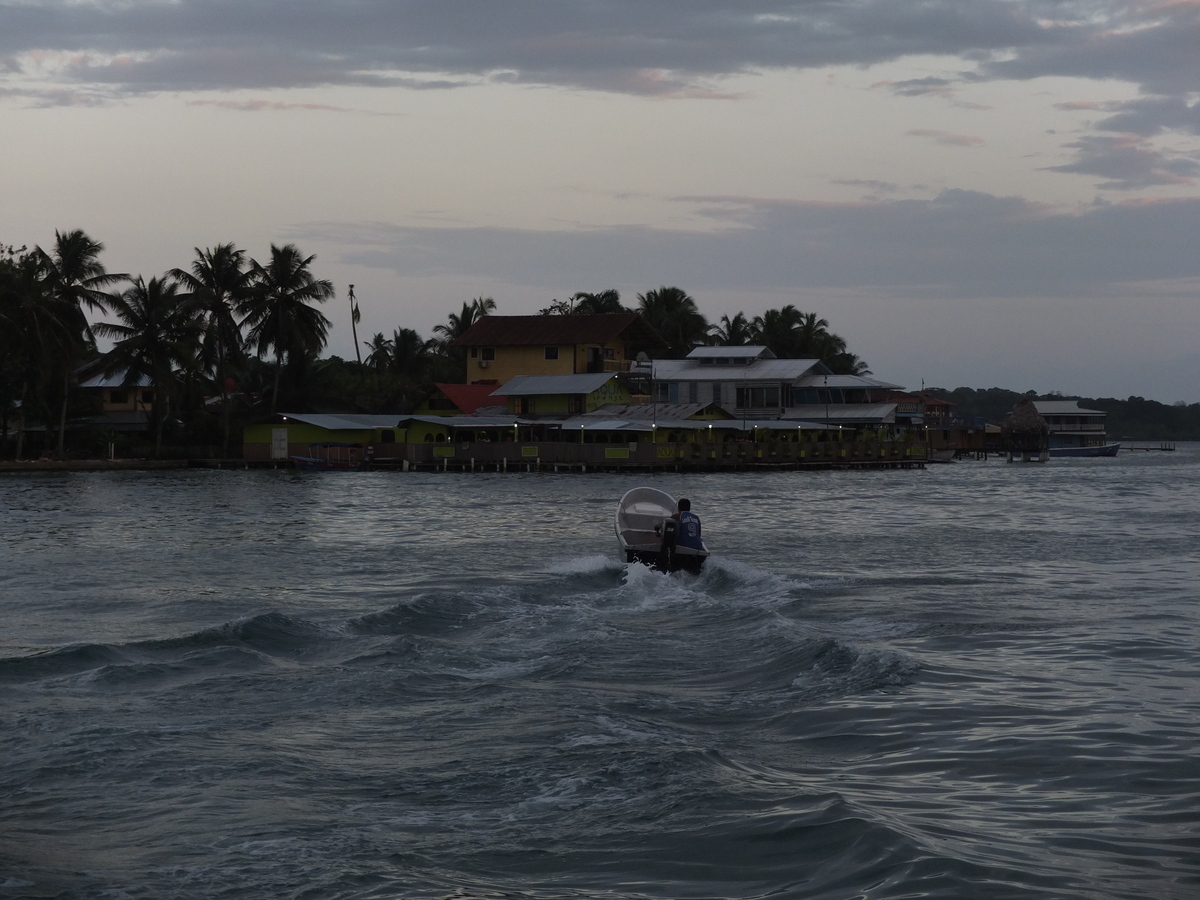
<point x="235" y="646"/>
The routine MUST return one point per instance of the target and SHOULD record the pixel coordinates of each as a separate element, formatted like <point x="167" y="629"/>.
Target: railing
<point x="643" y="454"/>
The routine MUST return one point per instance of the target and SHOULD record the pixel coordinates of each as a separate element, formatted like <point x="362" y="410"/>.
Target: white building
<point x="752" y="383"/>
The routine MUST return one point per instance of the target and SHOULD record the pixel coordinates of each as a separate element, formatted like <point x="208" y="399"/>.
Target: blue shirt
<point x="689" y="531"/>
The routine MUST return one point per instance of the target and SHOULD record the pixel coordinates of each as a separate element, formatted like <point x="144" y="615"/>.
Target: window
<point x="522" y="405"/>
<point x="610" y="353"/>
<point x="757" y="397"/>
<point x="667" y="392"/>
<point x="387" y="437"/>
<point x="147" y="396"/>
<point x="575" y="403"/>
<point x="693" y="392"/>
<point x="716" y="395"/>
<point x="552" y="352"/>
<point x="487" y="353"/>
<point x="118" y="397"/>
<point x="474" y="353"/>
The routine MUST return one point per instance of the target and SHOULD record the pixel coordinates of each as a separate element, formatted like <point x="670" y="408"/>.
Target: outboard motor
<point x="670" y="534"/>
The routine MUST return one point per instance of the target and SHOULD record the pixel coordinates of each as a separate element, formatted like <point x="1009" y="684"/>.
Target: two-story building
<point x="752" y="383"/>
<point x="1075" y="431"/>
<point x="501" y="348"/>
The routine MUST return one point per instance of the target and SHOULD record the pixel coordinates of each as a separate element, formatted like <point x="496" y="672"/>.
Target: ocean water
<point x="978" y="680"/>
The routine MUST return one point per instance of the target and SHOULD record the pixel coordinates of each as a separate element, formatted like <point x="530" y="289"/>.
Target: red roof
<point x="500" y="331"/>
<point x="469" y="397"/>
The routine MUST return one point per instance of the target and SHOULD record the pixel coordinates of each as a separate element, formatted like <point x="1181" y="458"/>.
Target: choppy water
<point x="979" y="680"/>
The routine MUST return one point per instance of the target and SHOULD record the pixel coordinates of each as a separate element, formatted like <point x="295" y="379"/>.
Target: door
<point x="279" y="443"/>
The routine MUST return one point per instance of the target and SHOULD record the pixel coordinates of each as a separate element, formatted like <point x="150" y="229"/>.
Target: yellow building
<point x="501" y="348"/>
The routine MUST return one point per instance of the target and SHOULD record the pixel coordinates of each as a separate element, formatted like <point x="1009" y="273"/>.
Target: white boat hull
<point x="644" y="531"/>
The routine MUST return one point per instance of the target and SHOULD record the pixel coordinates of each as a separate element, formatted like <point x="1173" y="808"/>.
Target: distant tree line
<point x="228" y="340"/>
<point x="1135" y="418"/>
<point x="788" y="332"/>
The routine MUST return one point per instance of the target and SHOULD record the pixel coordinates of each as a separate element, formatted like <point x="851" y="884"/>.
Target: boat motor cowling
<point x="670" y="535"/>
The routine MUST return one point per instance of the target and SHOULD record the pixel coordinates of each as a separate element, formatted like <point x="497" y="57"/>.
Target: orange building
<point x="501" y="348"/>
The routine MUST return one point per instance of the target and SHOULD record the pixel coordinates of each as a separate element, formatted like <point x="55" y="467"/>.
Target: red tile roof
<point x="501" y="331"/>
<point x="470" y="397"/>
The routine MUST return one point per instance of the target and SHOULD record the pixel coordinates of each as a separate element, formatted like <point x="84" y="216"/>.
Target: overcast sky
<point x="973" y="192"/>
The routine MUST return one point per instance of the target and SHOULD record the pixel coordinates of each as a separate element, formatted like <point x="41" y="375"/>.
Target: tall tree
<point x="279" y="313"/>
<point x="735" y="332"/>
<point x="380" y="357"/>
<point x="674" y="315"/>
<point x="76" y="278"/>
<point x="456" y="326"/>
<point x="36" y="332"/>
<point x="217" y="285"/>
<point x="411" y="354"/>
<point x="606" y="301"/>
<point x="779" y="330"/>
<point x="155" y="336"/>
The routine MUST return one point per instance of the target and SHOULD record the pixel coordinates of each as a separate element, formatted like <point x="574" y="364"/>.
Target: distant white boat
<point x="647" y="533"/>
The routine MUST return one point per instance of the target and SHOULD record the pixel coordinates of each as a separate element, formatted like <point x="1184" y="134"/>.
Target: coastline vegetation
<point x="229" y="340"/>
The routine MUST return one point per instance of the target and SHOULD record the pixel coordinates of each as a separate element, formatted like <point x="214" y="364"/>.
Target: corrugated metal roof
<point x="115" y="380"/>
<point x="653" y="410"/>
<point x="1064" y="408"/>
<point x="343" y="421"/>
<point x="759" y="370"/>
<point x="746" y="351"/>
<point x="537" y="385"/>
<point x="847" y="413"/>
<point x="471" y="421"/>
<point x="847" y="381"/>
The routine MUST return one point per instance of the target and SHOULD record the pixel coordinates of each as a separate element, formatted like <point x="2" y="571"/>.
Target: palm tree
<point x="411" y="354"/>
<point x="456" y="326"/>
<point x="36" y="332"/>
<point x="735" y="332"/>
<point x="815" y="340"/>
<point x="779" y="329"/>
<point x="218" y="283"/>
<point x="458" y="323"/>
<point x="846" y="363"/>
<point x="76" y="278"/>
<point x="606" y="301"/>
<point x="380" y="357"/>
<point x="675" y="316"/>
<point x="156" y="334"/>
<point x="278" y="311"/>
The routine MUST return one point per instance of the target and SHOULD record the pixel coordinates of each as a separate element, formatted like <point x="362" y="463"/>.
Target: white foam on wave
<point x="651" y="589"/>
<point x="725" y="574"/>
<point x="585" y="565"/>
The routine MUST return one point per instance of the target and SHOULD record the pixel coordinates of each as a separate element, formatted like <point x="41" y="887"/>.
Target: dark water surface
<point x="978" y="680"/>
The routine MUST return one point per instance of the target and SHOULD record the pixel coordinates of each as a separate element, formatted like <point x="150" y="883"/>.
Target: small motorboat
<point x="647" y="533"/>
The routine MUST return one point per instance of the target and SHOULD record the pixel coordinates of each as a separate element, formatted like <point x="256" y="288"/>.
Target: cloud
<point x="920" y="87"/>
<point x="1152" y="115"/>
<point x="959" y="244"/>
<point x="946" y="137"/>
<point x="875" y="186"/>
<point x="1129" y="162"/>
<point x="261" y="105"/>
<point x="669" y="47"/>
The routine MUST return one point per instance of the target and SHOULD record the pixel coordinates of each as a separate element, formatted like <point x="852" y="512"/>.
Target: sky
<point x="978" y="193"/>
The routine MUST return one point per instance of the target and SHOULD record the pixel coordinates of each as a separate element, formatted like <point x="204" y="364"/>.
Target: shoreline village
<point x="583" y="392"/>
